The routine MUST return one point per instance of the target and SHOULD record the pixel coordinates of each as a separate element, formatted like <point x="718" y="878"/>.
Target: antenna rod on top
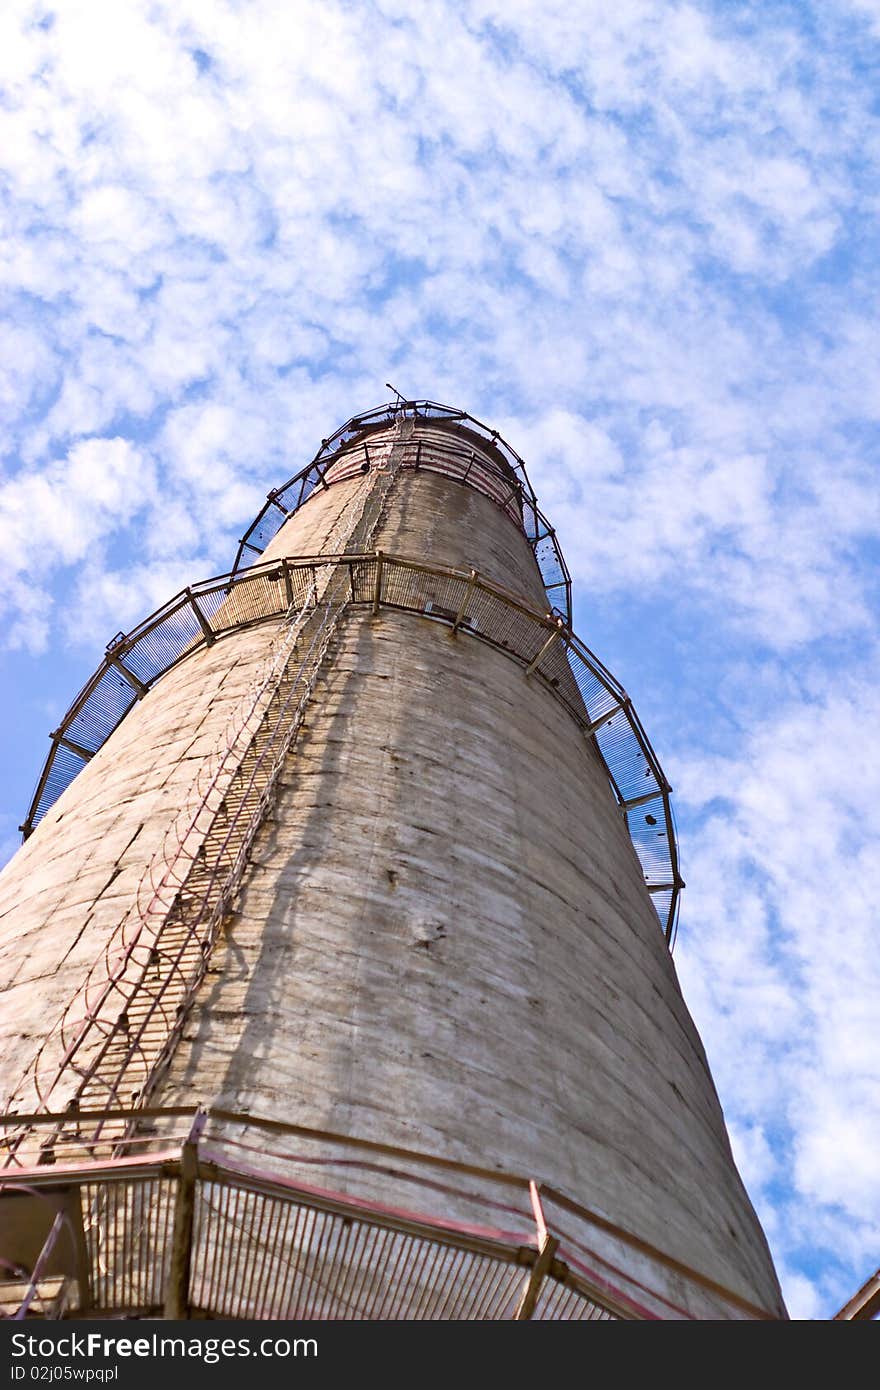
<point x="400" y="399"/>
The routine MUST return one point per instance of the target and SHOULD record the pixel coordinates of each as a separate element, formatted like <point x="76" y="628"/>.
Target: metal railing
<point x="497" y="471"/>
<point x="461" y="599"/>
<point x="210" y="1212"/>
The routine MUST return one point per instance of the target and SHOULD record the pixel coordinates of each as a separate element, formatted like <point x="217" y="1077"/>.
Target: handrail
<point x="574" y="675"/>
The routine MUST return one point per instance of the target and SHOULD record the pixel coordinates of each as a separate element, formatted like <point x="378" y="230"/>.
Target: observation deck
<point x="206" y="1215"/>
<point x="541" y="642"/>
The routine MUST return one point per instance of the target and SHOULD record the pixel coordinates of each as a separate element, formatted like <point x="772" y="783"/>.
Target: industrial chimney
<point x="336" y="962"/>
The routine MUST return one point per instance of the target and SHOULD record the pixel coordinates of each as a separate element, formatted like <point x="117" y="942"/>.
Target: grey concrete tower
<point x="336" y="962"/>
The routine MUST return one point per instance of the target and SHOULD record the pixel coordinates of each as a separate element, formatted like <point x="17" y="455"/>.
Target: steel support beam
<point x="554" y="636"/>
<point x="626" y="806"/>
<point x="547" y="1247"/>
<point x="464" y="603"/>
<point x="591" y="729"/>
<point x="535" y="1282"/>
<point x="77" y="748"/>
<point x="207" y="630"/>
<point x="137" y="686"/>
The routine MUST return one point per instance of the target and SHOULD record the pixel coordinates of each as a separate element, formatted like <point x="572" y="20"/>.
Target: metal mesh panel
<point x="632" y="772"/>
<point x="665" y="903"/>
<point x="160" y="646"/>
<point x="363" y="580"/>
<point x="259" y="597"/>
<point x="556" y="669"/>
<point x="648" y="833"/>
<point x="301" y="586"/>
<point x="436" y="594"/>
<point x="268" y="526"/>
<point x="112" y="697"/>
<point x="127" y="1228"/>
<point x="547" y="556"/>
<point x="561" y="1303"/>
<point x="262" y="1256"/>
<point x="506" y="627"/>
<point x="593" y="695"/>
<point x="63" y="766"/>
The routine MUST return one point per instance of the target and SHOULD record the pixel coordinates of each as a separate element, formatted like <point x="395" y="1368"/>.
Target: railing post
<point x="592" y="729"/>
<point x="547" y="1247"/>
<point x="288" y="583"/>
<point x="207" y="630"/>
<point x="380" y="559"/>
<point x="177" y="1287"/>
<point x="137" y="686"/>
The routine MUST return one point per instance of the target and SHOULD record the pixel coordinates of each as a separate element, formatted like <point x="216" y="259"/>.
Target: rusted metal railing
<point x="218" y="1213"/>
<point x="468" y="604"/>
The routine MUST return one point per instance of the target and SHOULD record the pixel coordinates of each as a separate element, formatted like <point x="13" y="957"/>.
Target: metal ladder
<point x="117" y="1034"/>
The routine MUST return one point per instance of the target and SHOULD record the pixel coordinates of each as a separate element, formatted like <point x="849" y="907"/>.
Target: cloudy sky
<point x="638" y="237"/>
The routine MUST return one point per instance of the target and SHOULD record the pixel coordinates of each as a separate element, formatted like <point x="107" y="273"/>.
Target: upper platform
<point x="451" y="450"/>
<point x="265" y="582"/>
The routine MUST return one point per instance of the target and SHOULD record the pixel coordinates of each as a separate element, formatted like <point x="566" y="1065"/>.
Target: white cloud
<point x="780" y="967"/>
<point x="53" y="517"/>
<point x="769" y="544"/>
<point x="55" y="514"/>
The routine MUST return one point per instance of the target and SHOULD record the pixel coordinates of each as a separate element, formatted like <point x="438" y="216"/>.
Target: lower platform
<point x="163" y="1213"/>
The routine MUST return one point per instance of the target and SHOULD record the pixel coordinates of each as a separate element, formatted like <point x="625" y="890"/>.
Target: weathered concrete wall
<point x="445" y="943"/>
<point x="74" y="880"/>
<point x="444" y="940"/>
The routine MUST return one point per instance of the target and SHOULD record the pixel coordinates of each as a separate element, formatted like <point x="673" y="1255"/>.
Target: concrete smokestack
<point x="337" y="978"/>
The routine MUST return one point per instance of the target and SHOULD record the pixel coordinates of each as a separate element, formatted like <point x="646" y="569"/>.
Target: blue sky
<point x="640" y="240"/>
